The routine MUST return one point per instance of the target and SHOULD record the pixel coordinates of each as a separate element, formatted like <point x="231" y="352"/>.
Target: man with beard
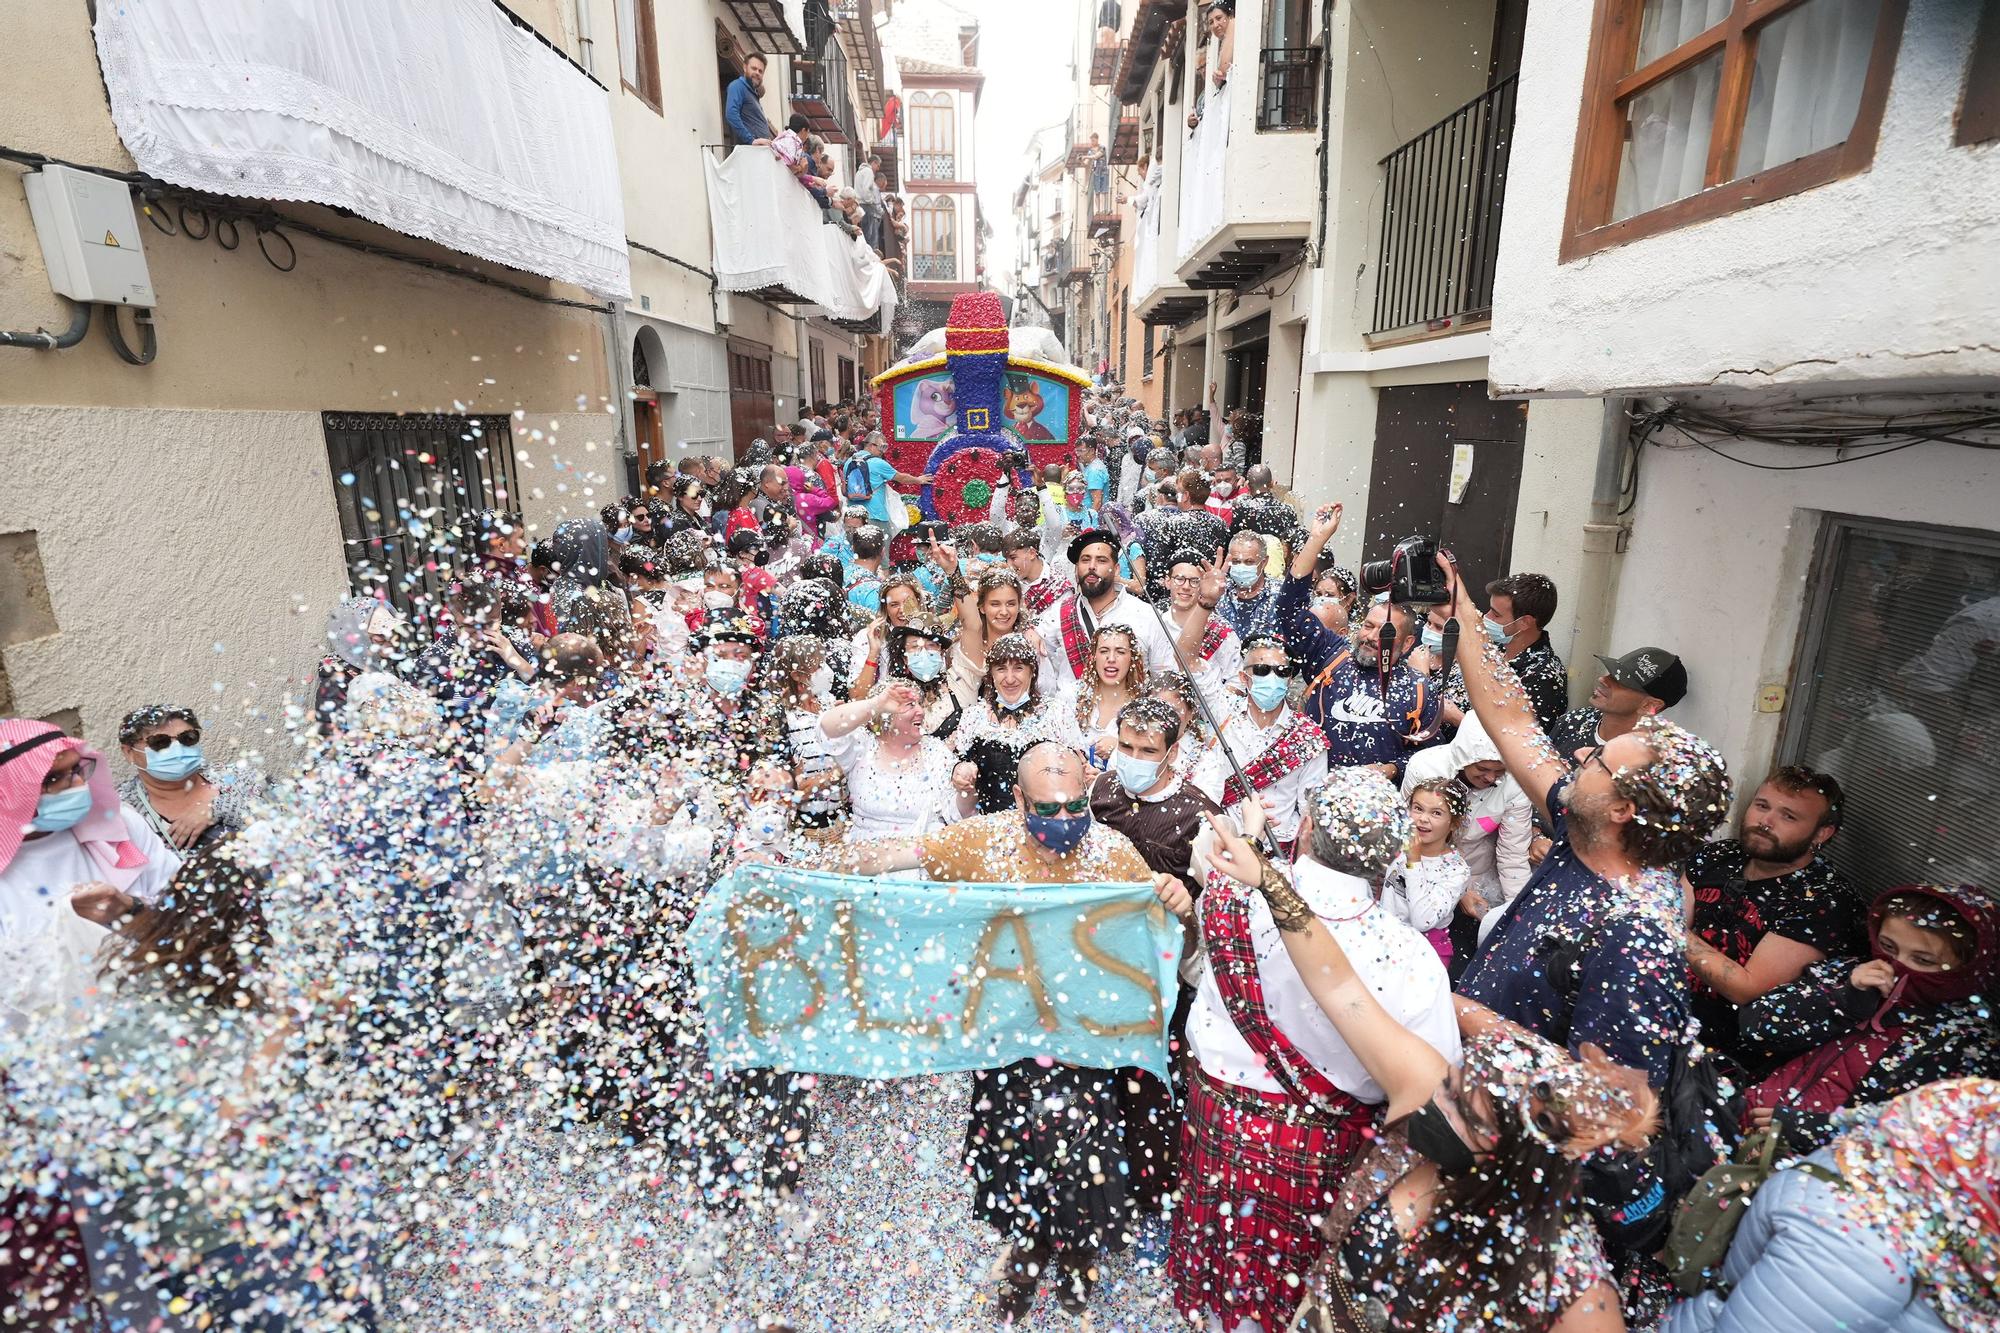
<point x="1766" y="903"/>
<point x="743" y="109"/>
<point x="1065" y="628"/>
<point x="1369" y="715"/>
<point x="1593" y="952"/>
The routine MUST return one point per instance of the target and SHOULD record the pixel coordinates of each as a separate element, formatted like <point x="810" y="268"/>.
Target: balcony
<point x="1442" y="197"/>
<point x="1104" y="62"/>
<point x="771" y="240"/>
<point x="1288" y="88"/>
<point x="932" y="167"/>
<point x="1076" y="252"/>
<point x="1245" y="199"/>
<point x="934" y="268"/>
<point x="1125" y="140"/>
<point x="1103" y="211"/>
<point x="819" y="93"/>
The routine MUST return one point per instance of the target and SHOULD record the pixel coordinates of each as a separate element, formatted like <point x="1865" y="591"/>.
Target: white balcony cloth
<point x="440" y="120"/>
<point x="769" y="233"/>
<point x="1204" y="163"/>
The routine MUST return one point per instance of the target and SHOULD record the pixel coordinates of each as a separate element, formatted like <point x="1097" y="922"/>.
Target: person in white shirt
<point x="1424" y="884"/>
<point x="1065" y="629"/>
<point x="1218" y="659"/>
<point x="1271" y="1068"/>
<point x="68" y="849"/>
<point x="1494" y="836"/>
<point x="1281" y="752"/>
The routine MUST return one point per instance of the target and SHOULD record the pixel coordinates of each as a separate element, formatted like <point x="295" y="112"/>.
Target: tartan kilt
<point x="1258" y="1173"/>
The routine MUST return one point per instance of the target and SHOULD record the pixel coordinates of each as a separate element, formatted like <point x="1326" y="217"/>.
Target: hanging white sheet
<point x="770" y="233"/>
<point x="1204" y="163"/>
<point x="441" y="120"/>
<point x="1151" y="203"/>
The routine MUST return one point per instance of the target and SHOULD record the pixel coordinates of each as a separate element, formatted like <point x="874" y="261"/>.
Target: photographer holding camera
<point x="1373" y="712"/>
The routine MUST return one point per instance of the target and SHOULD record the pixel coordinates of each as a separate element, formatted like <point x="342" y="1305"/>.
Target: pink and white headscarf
<point x="28" y="749"/>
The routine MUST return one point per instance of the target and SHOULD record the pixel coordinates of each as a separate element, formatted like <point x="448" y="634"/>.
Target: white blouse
<point x="904" y="800"/>
<point x="1424" y="894"/>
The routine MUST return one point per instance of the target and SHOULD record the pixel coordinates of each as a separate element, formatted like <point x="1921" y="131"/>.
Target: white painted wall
<point x="1720" y="555"/>
<point x="1886" y="277"/>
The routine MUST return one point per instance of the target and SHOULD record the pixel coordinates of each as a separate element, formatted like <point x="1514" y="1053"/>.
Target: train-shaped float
<point x="972" y="394"/>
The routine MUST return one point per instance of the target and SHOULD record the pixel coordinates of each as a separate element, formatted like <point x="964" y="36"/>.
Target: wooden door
<point x="753" y="412"/>
<point x="1417" y="430"/>
<point x="647" y="435"/>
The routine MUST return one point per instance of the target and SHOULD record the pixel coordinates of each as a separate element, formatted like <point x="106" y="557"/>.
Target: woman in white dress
<point x="885" y="1178"/>
<point x="900" y="781"/>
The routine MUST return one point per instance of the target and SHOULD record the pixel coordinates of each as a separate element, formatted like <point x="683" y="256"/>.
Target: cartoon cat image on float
<point x="972" y="394"/>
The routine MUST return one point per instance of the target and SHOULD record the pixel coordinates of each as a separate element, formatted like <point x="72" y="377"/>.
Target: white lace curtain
<point x="441" y="120"/>
<point x="1805" y="89"/>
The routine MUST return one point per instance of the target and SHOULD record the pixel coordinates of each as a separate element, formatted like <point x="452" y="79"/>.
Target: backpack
<point x="854" y="475"/>
<point x="1706" y="1222"/>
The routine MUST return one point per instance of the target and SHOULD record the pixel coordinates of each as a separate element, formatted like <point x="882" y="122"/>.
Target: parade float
<point x="975" y="404"/>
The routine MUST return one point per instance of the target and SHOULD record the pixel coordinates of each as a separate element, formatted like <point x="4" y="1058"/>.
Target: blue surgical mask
<point x="726" y="676"/>
<point x="1267" y="692"/>
<point x="65" y="809"/>
<point x="1433" y="639"/>
<point x="623" y="534"/>
<point x="1059" y="833"/>
<point x="1498" y="634"/>
<point x="1135" y="774"/>
<point x="1243" y="575"/>
<point x="926" y="665"/>
<point x="174" y="763"/>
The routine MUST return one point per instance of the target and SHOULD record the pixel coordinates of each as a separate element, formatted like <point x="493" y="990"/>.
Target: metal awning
<point x="764" y="22"/>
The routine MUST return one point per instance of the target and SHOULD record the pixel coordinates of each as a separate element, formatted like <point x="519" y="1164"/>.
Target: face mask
<point x="1267" y="692"/>
<point x="715" y="599"/>
<point x="987" y="558"/>
<point x="1322" y="603"/>
<point x="1223" y="490"/>
<point x="1243" y="575"/>
<point x="175" y="762"/>
<point x="1927" y="987"/>
<point x="1431" y="1134"/>
<point x="1134" y="773"/>
<point x="726" y="676"/>
<point x="1014" y="704"/>
<point x="822" y="682"/>
<point x="705" y="509"/>
<point x="1059" y="833"/>
<point x="927" y="665"/>
<point x="1433" y="639"/>
<point x="623" y="534"/>
<point x="65" y="809"/>
<point x="764" y="823"/>
<point x="1496" y="634"/>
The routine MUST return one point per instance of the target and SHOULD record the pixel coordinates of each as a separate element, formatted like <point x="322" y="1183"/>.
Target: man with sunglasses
<point x="1593" y="949"/>
<point x="1283" y="754"/>
<point x="1046" y="1142"/>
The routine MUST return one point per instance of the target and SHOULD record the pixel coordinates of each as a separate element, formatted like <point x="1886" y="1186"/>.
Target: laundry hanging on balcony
<point x="441" y="120"/>
<point x="769" y="234"/>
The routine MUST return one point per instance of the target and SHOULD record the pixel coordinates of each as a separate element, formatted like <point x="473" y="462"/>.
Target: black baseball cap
<point x="1653" y="671"/>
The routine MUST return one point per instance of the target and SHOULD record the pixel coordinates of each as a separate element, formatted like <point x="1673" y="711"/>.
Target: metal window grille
<point x="1287" y="94"/>
<point x="406" y="488"/>
<point x="936" y="268"/>
<point x="1443" y="193"/>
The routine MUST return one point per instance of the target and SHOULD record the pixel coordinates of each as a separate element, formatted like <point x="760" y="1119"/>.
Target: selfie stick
<point x="1201" y="704"/>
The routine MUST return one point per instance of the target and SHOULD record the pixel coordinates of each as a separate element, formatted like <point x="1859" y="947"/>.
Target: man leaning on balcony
<point x="743" y="109"/>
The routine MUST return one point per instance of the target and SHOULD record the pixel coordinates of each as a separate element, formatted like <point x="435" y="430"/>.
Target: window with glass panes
<point x="1897" y="695"/>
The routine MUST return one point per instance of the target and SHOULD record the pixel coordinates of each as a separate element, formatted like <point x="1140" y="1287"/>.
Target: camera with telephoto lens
<point x="1410" y="574"/>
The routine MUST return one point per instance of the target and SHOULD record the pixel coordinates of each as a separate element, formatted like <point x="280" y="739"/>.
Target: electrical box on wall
<point x="90" y="236"/>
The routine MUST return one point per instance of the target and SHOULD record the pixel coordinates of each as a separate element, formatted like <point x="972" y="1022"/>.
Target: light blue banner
<point x="887" y="978"/>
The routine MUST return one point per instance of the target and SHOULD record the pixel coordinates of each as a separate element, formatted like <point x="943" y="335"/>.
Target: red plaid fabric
<point x="1076" y="643"/>
<point x="1302" y="742"/>
<point x="1258" y="1172"/>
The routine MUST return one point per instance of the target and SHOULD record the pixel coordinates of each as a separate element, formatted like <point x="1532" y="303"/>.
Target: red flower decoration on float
<point x="976" y="470"/>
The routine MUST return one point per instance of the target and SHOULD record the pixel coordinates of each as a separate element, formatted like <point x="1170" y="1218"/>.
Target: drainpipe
<point x="1605" y="537"/>
<point x="584" y="45"/>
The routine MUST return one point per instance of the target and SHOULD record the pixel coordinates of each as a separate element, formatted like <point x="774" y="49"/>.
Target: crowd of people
<point x="1480" y="1023"/>
<point x="860" y="208"/>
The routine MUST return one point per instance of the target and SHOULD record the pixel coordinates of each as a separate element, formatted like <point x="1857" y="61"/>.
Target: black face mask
<point x="1430" y="1133"/>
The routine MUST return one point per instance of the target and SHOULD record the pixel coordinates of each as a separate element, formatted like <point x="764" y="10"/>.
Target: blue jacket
<point x="1362" y="724"/>
<point x="744" y="114"/>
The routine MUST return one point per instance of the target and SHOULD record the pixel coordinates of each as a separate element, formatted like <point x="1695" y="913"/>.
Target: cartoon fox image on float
<point x="1024" y="404"/>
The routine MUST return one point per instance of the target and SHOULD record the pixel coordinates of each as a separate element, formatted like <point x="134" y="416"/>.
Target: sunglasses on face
<point x="159" y="741"/>
<point x="54" y="781"/>
<point x="1272" y="669"/>
<point x="1050" y="809"/>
